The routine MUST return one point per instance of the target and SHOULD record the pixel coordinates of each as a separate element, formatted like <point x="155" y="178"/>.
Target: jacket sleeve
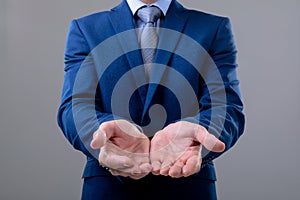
<point x="79" y="114"/>
<point x="224" y="119"/>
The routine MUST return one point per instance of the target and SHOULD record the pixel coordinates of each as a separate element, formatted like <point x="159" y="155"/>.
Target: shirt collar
<point x="163" y="5"/>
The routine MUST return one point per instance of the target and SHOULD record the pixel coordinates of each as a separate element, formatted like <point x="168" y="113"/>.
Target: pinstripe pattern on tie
<point x="149" y="37"/>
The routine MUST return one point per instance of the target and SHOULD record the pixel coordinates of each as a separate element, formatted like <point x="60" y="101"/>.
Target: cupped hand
<point x="176" y="150"/>
<point x="123" y="149"/>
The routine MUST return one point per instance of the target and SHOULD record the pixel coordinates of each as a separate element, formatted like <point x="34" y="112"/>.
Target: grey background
<point x="37" y="162"/>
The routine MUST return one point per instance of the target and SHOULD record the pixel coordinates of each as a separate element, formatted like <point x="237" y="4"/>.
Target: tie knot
<point x="149" y="14"/>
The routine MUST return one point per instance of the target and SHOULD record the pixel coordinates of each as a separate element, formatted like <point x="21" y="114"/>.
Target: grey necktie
<point x="149" y="37"/>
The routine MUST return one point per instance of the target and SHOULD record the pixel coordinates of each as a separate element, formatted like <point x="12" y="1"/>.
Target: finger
<point x="146" y="168"/>
<point x="99" y="139"/>
<point x="109" y="128"/>
<point x="103" y="134"/>
<point x="192" y="166"/>
<point x="191" y="151"/>
<point x="126" y="174"/>
<point x="176" y="170"/>
<point x="137" y="173"/>
<point x="209" y="141"/>
<point x="165" y="167"/>
<point x="156" y="167"/>
<point x="115" y="161"/>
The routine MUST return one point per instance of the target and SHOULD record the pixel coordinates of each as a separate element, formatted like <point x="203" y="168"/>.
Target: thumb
<point x="99" y="139"/>
<point x="209" y="141"/>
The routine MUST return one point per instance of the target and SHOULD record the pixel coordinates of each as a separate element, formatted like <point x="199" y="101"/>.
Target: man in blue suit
<point x="150" y="128"/>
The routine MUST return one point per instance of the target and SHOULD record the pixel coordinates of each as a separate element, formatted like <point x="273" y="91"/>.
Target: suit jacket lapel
<point x="175" y="19"/>
<point x="122" y="20"/>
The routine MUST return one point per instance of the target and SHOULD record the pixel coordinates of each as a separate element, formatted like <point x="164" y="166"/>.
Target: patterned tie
<point x="149" y="37"/>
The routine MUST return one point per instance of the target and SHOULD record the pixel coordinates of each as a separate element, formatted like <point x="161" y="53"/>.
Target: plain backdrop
<point x="36" y="161"/>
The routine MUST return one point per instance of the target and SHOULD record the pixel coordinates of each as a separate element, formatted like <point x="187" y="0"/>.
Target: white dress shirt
<point x="163" y="5"/>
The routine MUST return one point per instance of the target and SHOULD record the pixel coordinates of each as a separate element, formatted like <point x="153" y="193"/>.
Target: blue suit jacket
<point x="85" y="106"/>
